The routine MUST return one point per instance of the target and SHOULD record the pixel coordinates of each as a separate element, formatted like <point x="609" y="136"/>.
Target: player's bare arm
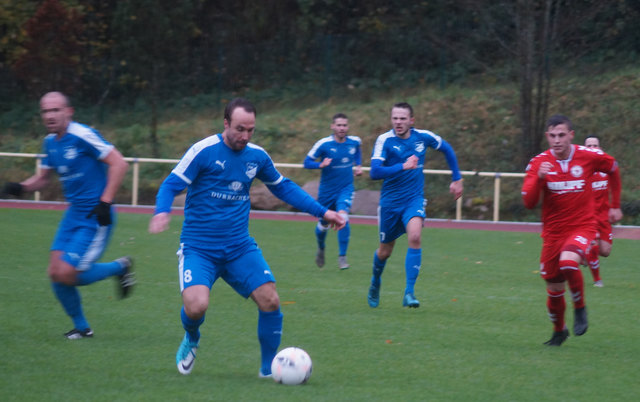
<point x="336" y="221"/>
<point x="357" y="170"/>
<point x="117" y="169"/>
<point x="544" y="169"/>
<point x="325" y="162"/>
<point x="159" y="222"/>
<point x="456" y="188"/>
<point x="615" y="214"/>
<point x="410" y="163"/>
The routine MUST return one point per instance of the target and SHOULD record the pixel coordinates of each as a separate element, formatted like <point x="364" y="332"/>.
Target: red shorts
<point x="577" y="241"/>
<point x="605" y="232"/>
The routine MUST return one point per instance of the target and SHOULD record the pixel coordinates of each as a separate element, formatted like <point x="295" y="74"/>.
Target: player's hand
<point x="336" y="221"/>
<point x="456" y="188"/>
<point x="357" y="171"/>
<point x="159" y="222"/>
<point x="615" y="214"/>
<point x="11" y="188"/>
<point x="410" y="163"/>
<point x="544" y="169"/>
<point x="102" y="211"/>
<point x="325" y="162"/>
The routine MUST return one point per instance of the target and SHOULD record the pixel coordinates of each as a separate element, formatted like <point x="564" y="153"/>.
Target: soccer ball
<point x="291" y="366"/>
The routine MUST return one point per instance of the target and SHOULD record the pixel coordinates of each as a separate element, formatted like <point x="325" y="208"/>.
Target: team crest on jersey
<point x="252" y="169"/>
<point x="70" y="153"/>
<point x="576" y="171"/>
<point x="352" y="150"/>
<point x="235" y="186"/>
<point x="345" y="160"/>
<point x="419" y="147"/>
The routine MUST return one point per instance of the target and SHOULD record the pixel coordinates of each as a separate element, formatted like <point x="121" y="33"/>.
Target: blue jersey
<point x="77" y="158"/>
<point x="218" y="179"/>
<point x="390" y="152"/>
<point x="344" y="155"/>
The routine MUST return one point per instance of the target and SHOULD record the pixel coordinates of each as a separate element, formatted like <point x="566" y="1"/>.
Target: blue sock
<point x="98" y="272"/>
<point x="269" y="335"/>
<point x="192" y="327"/>
<point x="378" y="268"/>
<point x="412" y="267"/>
<point x="71" y="301"/>
<point x="321" y="235"/>
<point x="343" y="239"/>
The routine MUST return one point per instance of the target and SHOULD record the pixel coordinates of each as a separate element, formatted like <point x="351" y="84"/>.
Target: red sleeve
<point x="615" y="185"/>
<point x="532" y="186"/>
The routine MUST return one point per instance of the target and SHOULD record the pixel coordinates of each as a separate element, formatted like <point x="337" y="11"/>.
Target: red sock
<point x="556" y="306"/>
<point x="576" y="284"/>
<point x="594" y="262"/>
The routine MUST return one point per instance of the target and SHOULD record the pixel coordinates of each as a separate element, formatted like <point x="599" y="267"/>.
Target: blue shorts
<point x="244" y="273"/>
<point x="81" y="239"/>
<point x="392" y="221"/>
<point x="338" y="201"/>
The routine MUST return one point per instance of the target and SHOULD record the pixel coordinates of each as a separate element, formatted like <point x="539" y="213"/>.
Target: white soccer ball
<point x="291" y="366"/>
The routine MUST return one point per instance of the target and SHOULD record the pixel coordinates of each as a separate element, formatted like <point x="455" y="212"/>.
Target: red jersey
<point x="600" y="188"/>
<point x="567" y="202"/>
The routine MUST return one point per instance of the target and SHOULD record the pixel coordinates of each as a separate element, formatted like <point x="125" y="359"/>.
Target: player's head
<point x="560" y="135"/>
<point x="402" y="118"/>
<point x="56" y="112"/>
<point x="592" y="141"/>
<point x="340" y="126"/>
<point x="239" y="123"/>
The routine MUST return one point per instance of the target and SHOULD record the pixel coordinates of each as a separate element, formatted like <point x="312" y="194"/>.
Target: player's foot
<point x="558" y="338"/>
<point x="260" y="375"/>
<point x="320" y="258"/>
<point x="374" y="295"/>
<point x="410" y="301"/>
<point x="598" y="284"/>
<point x="79" y="334"/>
<point x="127" y="279"/>
<point x="342" y="262"/>
<point x="580" y="323"/>
<point x="186" y="355"/>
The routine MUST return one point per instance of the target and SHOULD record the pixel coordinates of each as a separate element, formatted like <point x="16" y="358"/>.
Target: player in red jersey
<point x="604" y="237"/>
<point x="562" y="174"/>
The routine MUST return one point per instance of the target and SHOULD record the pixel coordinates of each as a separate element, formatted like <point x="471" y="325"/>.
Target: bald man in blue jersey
<point x="91" y="171"/>
<point x="215" y="243"/>
<point x="340" y="159"/>
<point x="398" y="158"/>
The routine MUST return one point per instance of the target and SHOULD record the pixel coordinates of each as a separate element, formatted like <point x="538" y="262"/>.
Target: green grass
<point x="477" y="335"/>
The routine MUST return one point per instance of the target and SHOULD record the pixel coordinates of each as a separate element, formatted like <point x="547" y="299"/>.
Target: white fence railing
<point x="135" y="162"/>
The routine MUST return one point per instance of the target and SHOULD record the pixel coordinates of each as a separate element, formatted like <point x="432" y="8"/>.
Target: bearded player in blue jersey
<point x="338" y="153"/>
<point x="398" y="158"/>
<point x="215" y="243"/>
<point x="90" y="170"/>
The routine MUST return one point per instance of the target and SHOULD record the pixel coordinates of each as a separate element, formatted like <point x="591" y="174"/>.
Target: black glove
<point x="13" y="189"/>
<point x="102" y="211"/>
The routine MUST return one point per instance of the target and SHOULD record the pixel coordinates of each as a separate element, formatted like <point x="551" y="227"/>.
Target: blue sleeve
<point x="295" y="196"/>
<point x="448" y="152"/>
<point x="170" y="187"/>
<point x="310" y="163"/>
<point x="378" y="171"/>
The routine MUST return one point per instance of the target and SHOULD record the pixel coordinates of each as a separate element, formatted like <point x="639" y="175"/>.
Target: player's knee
<point x="62" y="273"/>
<point x="195" y="307"/>
<point x="605" y="249"/>
<point x="414" y="240"/>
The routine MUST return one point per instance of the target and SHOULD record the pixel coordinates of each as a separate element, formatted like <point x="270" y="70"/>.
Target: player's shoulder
<point x="384" y="137"/>
<point x="354" y="138"/>
<point x="82" y="130"/>
<point x="206" y="143"/>
<point x="257" y="151"/>
<point x="583" y="150"/>
<point x="538" y="159"/>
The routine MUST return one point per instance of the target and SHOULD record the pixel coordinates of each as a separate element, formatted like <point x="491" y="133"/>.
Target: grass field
<point x="476" y="337"/>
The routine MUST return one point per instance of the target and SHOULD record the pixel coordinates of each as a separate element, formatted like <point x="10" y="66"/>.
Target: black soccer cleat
<point x="580" y="323"/>
<point x="558" y="338"/>
<point x="127" y="279"/>
<point x="79" y="334"/>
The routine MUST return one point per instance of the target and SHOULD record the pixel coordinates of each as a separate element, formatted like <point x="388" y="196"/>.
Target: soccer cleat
<point x="186" y="356"/>
<point x="79" y="334"/>
<point x="410" y="301"/>
<point x="374" y="295"/>
<point x="342" y="262"/>
<point x="260" y="375"/>
<point x="128" y="279"/>
<point x="598" y="284"/>
<point x="580" y="323"/>
<point x="320" y="258"/>
<point x="558" y="338"/>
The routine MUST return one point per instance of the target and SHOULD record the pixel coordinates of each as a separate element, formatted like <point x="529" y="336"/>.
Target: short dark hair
<point x="339" y="116"/>
<point x="558" y="119"/>
<point x="236" y="103"/>
<point x="593" y="136"/>
<point x="404" y="105"/>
